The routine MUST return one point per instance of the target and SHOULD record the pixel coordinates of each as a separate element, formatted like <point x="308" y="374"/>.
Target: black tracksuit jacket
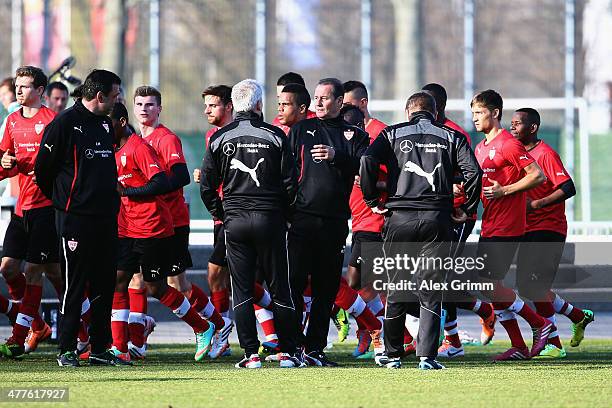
<point x="422" y="158"/>
<point x="75" y="165"/>
<point x="251" y="158"/>
<point x="324" y="187"/>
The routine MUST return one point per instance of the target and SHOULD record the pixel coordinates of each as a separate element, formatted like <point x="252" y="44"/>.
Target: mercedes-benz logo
<point x="89" y="153"/>
<point x="229" y="149"/>
<point x="406" y="146"/>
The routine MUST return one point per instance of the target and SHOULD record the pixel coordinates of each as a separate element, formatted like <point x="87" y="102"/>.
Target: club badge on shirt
<point x="106" y="127"/>
<point x="38" y="128"/>
<point x="491" y="154"/>
<point x="72" y="245"/>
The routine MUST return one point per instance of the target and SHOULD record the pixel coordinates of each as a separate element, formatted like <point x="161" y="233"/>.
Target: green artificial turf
<point x="170" y="377"/>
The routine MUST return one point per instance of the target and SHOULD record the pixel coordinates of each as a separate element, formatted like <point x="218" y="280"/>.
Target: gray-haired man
<point x="252" y="160"/>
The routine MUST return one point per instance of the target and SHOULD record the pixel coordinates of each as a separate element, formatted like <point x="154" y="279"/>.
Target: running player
<point x="31" y="234"/>
<point x="540" y="250"/>
<point x="145" y="233"/>
<point x="508" y="172"/>
<point x="167" y="145"/>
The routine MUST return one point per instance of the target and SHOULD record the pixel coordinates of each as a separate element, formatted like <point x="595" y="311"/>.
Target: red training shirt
<point x="362" y="217"/>
<point x="141" y="217"/>
<point x="22" y="137"/>
<point x="503" y="160"/>
<point x="460" y="199"/>
<point x="169" y="150"/>
<point x="552" y="217"/>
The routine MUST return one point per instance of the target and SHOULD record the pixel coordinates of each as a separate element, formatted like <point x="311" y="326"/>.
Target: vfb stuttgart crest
<point x="491" y="154"/>
<point x="123" y="160"/>
<point x="72" y="245"/>
<point x="38" y="128"/>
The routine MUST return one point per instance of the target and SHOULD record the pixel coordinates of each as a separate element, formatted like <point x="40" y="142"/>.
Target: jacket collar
<point x="247" y="115"/>
<point x="333" y="122"/>
<point x="417" y="116"/>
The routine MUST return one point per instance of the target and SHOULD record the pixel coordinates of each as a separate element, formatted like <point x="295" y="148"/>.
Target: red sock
<point x="197" y="298"/>
<point x="348" y="299"/>
<point x="17" y="286"/>
<point x="368" y="320"/>
<point x="9" y="308"/>
<point x="407" y="336"/>
<point x="266" y="319"/>
<point x="544" y="309"/>
<point x="138" y="310"/>
<point x="119" y="321"/>
<point x="262" y="297"/>
<point x="345" y="299"/>
<point x="576" y="315"/>
<point x="534" y="319"/>
<point x="484" y="311"/>
<point x="181" y="307"/>
<point x="516" y="338"/>
<point x="220" y="300"/>
<point x="452" y="334"/>
<point x="28" y="312"/>
<point x="346" y="296"/>
<point x="202" y="305"/>
<point x="138" y="300"/>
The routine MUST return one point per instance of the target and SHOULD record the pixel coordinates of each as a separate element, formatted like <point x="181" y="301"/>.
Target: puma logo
<point x="13" y="124"/>
<point x="78" y="128"/>
<point x="523" y="157"/>
<point x="49" y="147"/>
<point x="238" y="165"/>
<point x="311" y="132"/>
<point x="155" y="272"/>
<point x="414" y="168"/>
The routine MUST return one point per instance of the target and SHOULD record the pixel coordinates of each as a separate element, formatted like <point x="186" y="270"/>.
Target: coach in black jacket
<point x="252" y="160"/>
<point x="422" y="158"/>
<point x="76" y="168"/>
<point x="327" y="151"/>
